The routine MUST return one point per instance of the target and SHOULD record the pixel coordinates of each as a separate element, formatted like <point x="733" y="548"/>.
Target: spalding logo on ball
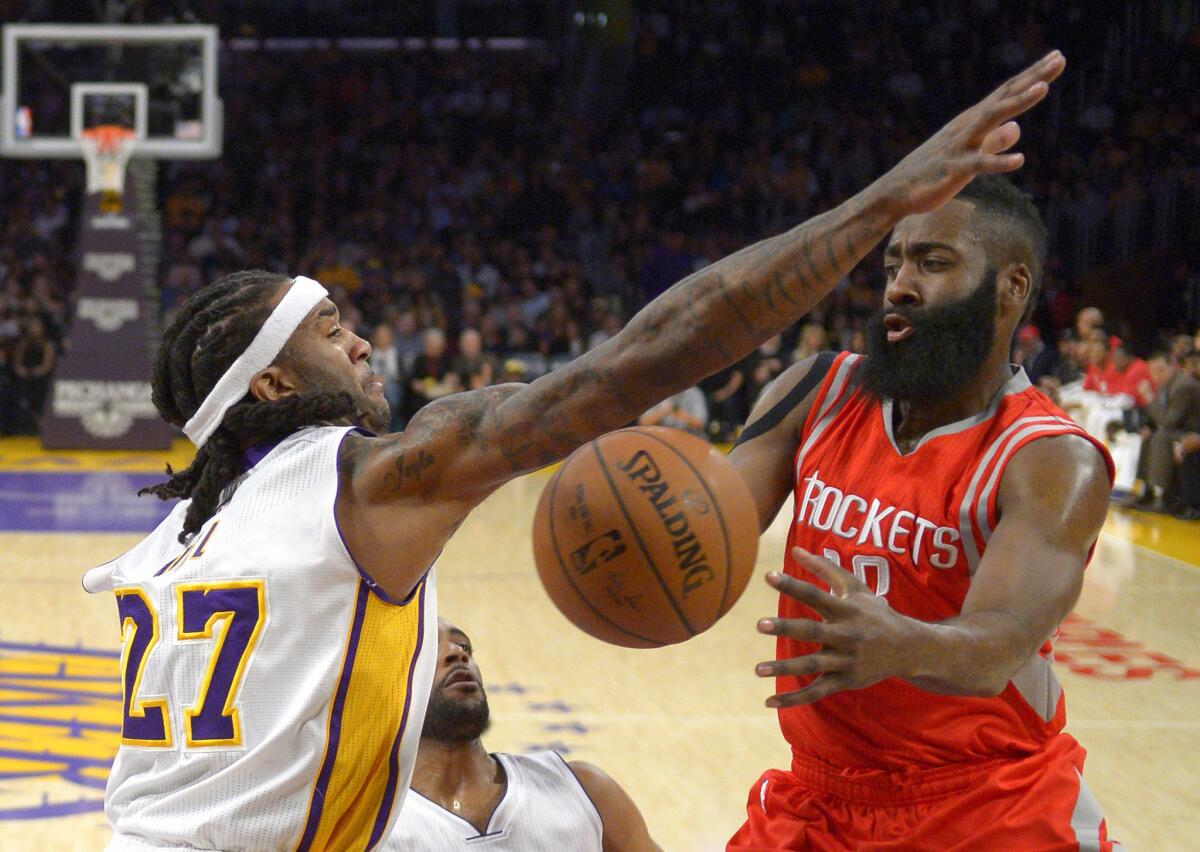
<point x="645" y="537"/>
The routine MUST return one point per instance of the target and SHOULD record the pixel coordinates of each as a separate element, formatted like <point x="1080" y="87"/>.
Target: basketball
<point x="645" y="537"/>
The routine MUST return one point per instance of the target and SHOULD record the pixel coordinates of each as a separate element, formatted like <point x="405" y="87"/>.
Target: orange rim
<point x="108" y="137"/>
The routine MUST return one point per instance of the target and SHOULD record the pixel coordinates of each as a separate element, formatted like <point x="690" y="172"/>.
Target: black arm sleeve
<point x="793" y="398"/>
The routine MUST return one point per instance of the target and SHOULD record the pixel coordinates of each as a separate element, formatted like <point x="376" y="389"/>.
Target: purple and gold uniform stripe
<point x="352" y="797"/>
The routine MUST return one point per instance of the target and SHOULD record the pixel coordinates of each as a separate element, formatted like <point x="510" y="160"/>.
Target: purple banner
<point x="101" y="390"/>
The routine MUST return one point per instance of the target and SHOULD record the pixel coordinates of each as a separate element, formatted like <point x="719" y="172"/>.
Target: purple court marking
<point x="42" y="744"/>
<point x="79" y="502"/>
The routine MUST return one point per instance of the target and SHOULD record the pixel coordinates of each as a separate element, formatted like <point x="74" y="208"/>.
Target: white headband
<point x="301" y="298"/>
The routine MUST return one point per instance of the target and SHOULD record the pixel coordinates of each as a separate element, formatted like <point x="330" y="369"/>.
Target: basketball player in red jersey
<point x="944" y="512"/>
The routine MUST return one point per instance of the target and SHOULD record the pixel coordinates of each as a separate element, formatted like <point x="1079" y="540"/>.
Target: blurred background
<point x="491" y="187"/>
<point x="485" y="210"/>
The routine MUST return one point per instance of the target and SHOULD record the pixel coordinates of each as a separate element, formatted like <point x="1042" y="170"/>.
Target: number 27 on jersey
<point x="227" y="614"/>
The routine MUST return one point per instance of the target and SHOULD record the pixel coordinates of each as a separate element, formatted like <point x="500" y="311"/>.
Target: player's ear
<point x="1014" y="285"/>
<point x="274" y="383"/>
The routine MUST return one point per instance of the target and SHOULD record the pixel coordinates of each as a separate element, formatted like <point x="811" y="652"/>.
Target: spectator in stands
<point x="1172" y="413"/>
<point x="813" y="339"/>
<point x="1089" y="324"/>
<point x="475" y="368"/>
<point x="33" y="362"/>
<point x="1191" y="364"/>
<point x="523" y="348"/>
<point x="1095" y="363"/>
<point x="763" y="365"/>
<point x="856" y="341"/>
<point x="1187" y="455"/>
<point x="559" y="335"/>
<point x="431" y="376"/>
<point x="725" y="394"/>
<point x="8" y="390"/>
<point x="686" y="410"/>
<point x="492" y="336"/>
<point x="1181" y="346"/>
<point x="480" y="279"/>
<point x="1068" y="370"/>
<point x="1101" y="413"/>
<point x="1034" y="355"/>
<point x="1117" y="373"/>
<point x="1129" y="375"/>
<point x="408" y="340"/>
<point x="608" y="327"/>
<point x="386" y="363"/>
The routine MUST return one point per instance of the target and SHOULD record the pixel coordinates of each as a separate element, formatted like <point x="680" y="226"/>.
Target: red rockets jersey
<point x="913" y="527"/>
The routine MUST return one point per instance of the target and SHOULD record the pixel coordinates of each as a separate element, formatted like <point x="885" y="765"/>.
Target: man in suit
<point x="1173" y="412"/>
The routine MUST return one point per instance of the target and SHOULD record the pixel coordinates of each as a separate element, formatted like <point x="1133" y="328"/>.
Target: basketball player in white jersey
<point x="279" y="625"/>
<point x="463" y="796"/>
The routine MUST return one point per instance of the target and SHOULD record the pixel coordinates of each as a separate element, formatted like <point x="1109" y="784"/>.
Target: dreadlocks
<point x="211" y="330"/>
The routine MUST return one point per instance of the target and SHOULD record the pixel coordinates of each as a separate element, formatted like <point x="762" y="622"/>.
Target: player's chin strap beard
<point x="301" y="297"/>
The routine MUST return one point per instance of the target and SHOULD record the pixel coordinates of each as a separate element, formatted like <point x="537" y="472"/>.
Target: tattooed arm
<point x="457" y="450"/>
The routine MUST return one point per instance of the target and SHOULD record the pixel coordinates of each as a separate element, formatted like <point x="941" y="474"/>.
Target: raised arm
<point x="460" y="448"/>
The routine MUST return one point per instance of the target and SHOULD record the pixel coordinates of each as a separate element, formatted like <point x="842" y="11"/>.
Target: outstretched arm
<point x="1027" y="582"/>
<point x="460" y="448"/>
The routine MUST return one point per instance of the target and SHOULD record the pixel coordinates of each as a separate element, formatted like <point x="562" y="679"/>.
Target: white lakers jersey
<point x="273" y="695"/>
<point x="544" y="809"/>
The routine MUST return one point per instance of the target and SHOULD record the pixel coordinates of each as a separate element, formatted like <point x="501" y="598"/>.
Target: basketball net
<point x="106" y="150"/>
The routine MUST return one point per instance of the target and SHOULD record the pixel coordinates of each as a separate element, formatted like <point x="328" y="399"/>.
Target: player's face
<point x="458" y="709"/>
<point x="457" y="672"/>
<point x="327" y="357"/>
<point x="937" y="325"/>
<point x="932" y="259"/>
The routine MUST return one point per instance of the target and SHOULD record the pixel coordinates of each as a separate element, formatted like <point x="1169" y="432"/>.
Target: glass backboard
<point x="158" y="80"/>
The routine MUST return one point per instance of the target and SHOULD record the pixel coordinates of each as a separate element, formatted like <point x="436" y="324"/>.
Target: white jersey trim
<point x="1016" y="384"/>
<point x="833" y="401"/>
<point x="966" y="528"/>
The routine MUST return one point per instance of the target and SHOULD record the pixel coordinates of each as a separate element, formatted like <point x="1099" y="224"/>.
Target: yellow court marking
<point x="1160" y="533"/>
<point x="27" y="454"/>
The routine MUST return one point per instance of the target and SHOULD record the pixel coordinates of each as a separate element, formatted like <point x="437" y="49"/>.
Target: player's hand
<point x="975" y="141"/>
<point x="861" y="638"/>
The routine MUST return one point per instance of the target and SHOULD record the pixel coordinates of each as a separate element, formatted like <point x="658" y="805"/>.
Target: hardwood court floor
<point x="683" y="728"/>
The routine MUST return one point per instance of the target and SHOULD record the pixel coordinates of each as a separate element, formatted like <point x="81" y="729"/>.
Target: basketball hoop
<point x="106" y="150"/>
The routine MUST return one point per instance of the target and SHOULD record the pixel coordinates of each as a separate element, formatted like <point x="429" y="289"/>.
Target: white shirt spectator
<point x="687" y="410"/>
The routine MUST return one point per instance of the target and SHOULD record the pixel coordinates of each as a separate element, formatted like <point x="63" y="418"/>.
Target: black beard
<point x="948" y="346"/>
<point x="377" y="417"/>
<point x="374" y="415"/>
<point x="449" y="721"/>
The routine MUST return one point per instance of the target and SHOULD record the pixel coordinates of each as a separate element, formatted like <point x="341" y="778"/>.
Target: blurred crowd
<point x="487" y="216"/>
<point x="1146" y="410"/>
<point x="37" y="233"/>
